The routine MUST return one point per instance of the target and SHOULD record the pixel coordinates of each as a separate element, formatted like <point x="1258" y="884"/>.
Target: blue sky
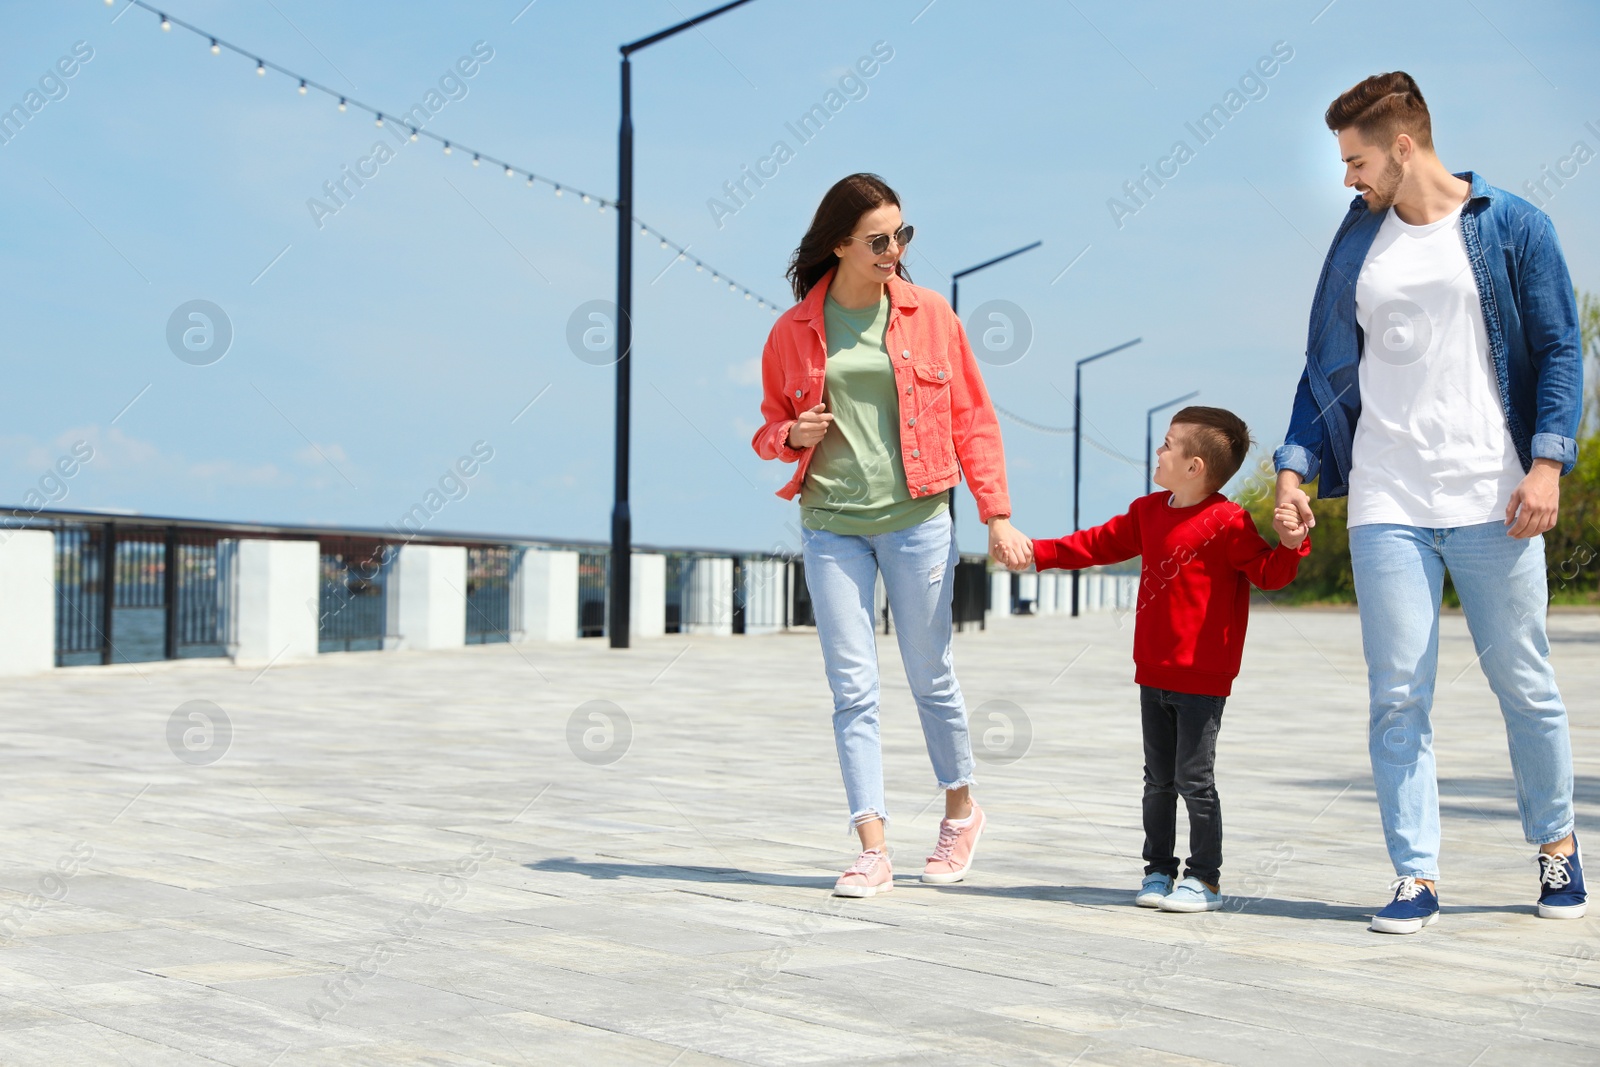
<point x="371" y="351"/>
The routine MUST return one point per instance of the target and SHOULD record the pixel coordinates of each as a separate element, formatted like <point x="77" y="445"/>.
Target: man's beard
<point x="1385" y="188"/>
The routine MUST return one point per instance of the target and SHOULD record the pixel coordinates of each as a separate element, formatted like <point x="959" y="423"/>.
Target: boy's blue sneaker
<point x="1153" y="891"/>
<point x="1191" y="894"/>
<point x="1561" y="894"/>
<point x="1413" y="907"/>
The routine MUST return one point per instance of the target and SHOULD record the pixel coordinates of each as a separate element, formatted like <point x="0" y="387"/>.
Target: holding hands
<point x="1009" y="546"/>
<point x="1289" y="525"/>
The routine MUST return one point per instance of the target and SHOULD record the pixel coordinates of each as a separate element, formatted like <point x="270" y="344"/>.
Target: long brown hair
<point x="836" y="218"/>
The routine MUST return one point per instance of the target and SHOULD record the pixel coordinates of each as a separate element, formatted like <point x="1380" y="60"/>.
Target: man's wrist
<point x="1289" y="478"/>
<point x="1549" y="466"/>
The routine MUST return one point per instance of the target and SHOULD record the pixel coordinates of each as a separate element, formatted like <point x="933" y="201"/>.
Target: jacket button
<point x="924" y="489"/>
<point x="798" y="393"/>
<point x="911" y="422"/>
<point x="941" y="375"/>
<point x="906" y="354"/>
<point x="916" y="453"/>
<point x="908" y="390"/>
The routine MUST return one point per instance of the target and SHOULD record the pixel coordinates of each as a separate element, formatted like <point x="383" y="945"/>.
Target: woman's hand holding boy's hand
<point x="1009" y="546"/>
<point x="1286" y="520"/>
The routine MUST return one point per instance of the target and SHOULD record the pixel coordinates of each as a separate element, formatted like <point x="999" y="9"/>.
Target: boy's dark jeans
<point x="1180" y="751"/>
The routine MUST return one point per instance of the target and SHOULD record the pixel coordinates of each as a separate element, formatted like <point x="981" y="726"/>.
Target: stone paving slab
<point x="408" y="858"/>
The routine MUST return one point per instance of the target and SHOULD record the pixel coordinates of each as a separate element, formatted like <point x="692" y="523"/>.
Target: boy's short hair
<point x="1217" y="436"/>
<point x="1381" y="108"/>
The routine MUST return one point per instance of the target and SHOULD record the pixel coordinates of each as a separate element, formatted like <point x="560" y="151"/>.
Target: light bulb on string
<point x="341" y="103"/>
<point x="558" y="190"/>
<point x="216" y="49"/>
<point x="166" y="24"/>
<point x="747" y="294"/>
<point x="302" y="87"/>
<point x="644" y="231"/>
<point x="585" y="198"/>
<point x="732" y="288"/>
<point x="475" y="159"/>
<point x="447" y="148"/>
<point x="413" y="133"/>
<point x="379" y="121"/>
<point x="509" y="173"/>
<point x="602" y="207"/>
<point x="699" y="266"/>
<point x="261" y="69"/>
<point x="530" y="181"/>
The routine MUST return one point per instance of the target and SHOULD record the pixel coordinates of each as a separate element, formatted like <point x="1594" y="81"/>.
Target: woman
<point x="871" y="388"/>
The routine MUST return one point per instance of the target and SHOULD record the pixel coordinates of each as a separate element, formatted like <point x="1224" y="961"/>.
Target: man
<point x="1442" y="392"/>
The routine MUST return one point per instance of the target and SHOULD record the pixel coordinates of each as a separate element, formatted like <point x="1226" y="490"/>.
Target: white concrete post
<point x="27" y="601"/>
<point x="708" y="596"/>
<point x="647" y="597"/>
<point x="1028" y="589"/>
<point x="277" y="600"/>
<point x="547" y="588"/>
<point x="1049" y="581"/>
<point x="1000" y="593"/>
<point x="429" y="583"/>
<point x="761" y="588"/>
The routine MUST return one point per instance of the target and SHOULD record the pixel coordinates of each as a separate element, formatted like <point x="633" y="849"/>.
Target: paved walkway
<point x="438" y="858"/>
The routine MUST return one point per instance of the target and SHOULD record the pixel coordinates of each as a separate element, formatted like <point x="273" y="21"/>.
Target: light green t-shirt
<point x="856" y="483"/>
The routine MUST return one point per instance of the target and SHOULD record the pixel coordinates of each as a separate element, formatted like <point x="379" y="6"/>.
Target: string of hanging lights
<point x="304" y="85"/>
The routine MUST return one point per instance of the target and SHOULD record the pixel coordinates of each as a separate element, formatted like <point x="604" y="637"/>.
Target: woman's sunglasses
<point x="879" y="242"/>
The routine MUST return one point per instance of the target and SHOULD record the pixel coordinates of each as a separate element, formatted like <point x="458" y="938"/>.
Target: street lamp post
<point x="1077" y="442"/>
<point x="1149" y="439"/>
<point x="955" y="306"/>
<point x="955" y="279"/>
<point x="619" y="621"/>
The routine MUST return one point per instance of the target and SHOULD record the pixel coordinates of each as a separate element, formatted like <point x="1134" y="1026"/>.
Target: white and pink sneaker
<point x="958" y="843"/>
<point x="869" y="875"/>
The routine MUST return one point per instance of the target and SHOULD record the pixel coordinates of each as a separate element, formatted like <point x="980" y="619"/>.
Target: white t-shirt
<point x="1431" y="448"/>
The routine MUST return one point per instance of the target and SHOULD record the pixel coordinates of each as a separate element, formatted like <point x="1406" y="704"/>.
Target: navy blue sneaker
<point x="1413" y="907"/>
<point x="1561" y="894"/>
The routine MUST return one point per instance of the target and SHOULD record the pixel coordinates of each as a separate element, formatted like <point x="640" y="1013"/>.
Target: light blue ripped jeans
<point x="918" y="565"/>
<point x="1399" y="573"/>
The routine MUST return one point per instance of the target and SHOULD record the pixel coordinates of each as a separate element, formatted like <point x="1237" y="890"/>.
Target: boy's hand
<point x="1286" y="520"/>
<point x="1009" y="546"/>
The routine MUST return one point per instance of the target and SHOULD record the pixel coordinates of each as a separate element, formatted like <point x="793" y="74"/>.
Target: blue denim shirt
<point x="1529" y="311"/>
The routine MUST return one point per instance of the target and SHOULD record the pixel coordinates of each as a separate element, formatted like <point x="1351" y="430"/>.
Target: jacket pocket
<point x="802" y="391"/>
<point x="933" y="448"/>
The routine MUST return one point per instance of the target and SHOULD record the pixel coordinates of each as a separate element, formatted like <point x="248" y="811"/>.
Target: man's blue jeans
<point x="1399" y="574"/>
<point x="918" y="566"/>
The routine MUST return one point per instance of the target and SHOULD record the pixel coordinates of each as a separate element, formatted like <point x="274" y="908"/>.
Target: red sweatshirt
<point x="1194" y="597"/>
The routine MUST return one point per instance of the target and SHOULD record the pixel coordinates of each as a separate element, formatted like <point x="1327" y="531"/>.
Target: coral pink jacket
<point x="947" y="424"/>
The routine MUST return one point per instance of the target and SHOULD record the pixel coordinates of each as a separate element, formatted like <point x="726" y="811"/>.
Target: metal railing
<point x="135" y="593"/>
<point x="492" y="572"/>
<point x="155" y="611"/>
<point x="354" y="613"/>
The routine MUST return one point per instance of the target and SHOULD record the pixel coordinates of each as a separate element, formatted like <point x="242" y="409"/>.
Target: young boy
<point x="1197" y="549"/>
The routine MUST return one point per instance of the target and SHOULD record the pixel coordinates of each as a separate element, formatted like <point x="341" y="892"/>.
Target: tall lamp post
<point x="955" y="279"/>
<point x="955" y="306"/>
<point x="1077" y="442"/>
<point x="619" y="622"/>
<point x="1149" y="439"/>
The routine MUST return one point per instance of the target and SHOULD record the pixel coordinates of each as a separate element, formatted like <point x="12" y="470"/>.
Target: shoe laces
<point x="865" y="863"/>
<point x="1406" y="888"/>
<point x="1554" y="871"/>
<point x="948" y="836"/>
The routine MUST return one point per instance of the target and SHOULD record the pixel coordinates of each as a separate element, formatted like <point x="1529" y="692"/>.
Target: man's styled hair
<point x="1217" y="436"/>
<point x="1381" y="108"/>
